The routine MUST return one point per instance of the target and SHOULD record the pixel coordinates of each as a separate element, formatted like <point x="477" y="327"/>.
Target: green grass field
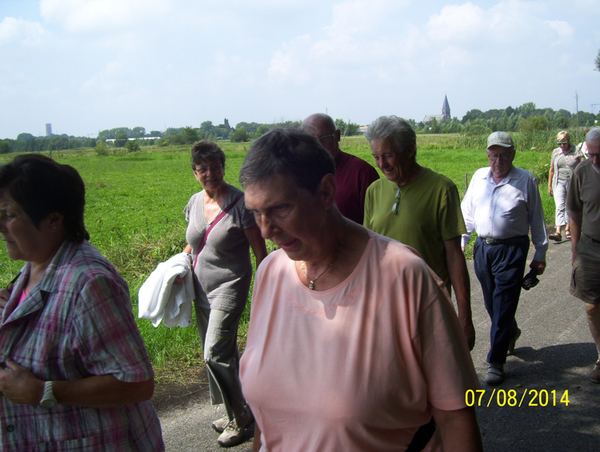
<point x="135" y="203"/>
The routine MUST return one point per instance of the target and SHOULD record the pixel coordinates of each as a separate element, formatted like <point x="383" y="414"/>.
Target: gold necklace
<point x="311" y="282"/>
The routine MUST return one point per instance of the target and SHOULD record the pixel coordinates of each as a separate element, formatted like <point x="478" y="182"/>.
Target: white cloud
<point x="563" y="29"/>
<point x="107" y="80"/>
<point x="457" y="23"/>
<point x="81" y="16"/>
<point x="18" y="31"/>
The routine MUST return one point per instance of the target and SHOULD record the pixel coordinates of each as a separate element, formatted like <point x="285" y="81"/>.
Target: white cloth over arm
<point x="161" y="300"/>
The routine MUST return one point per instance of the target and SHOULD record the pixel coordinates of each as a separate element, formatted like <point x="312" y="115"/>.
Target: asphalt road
<point x="552" y="358"/>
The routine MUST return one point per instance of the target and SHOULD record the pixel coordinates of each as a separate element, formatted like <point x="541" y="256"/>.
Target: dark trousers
<point x="500" y="268"/>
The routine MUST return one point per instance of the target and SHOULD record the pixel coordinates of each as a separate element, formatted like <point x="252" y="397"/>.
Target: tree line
<point x="526" y="118"/>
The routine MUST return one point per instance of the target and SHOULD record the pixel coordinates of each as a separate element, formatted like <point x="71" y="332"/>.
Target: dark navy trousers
<point x="500" y="268"/>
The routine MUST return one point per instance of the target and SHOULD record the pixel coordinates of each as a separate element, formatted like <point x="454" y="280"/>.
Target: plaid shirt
<point x="77" y="322"/>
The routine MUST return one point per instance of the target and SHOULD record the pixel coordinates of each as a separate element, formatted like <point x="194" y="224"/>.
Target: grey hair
<point x="593" y="135"/>
<point x="392" y="126"/>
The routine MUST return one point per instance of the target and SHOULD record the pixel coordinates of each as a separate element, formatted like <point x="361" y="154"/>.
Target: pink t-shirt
<point x="356" y="367"/>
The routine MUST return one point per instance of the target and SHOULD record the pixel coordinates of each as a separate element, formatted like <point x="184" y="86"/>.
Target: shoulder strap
<point x="215" y="221"/>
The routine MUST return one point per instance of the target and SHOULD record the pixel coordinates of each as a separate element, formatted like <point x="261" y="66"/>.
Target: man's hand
<point x="539" y="266"/>
<point x="469" y="330"/>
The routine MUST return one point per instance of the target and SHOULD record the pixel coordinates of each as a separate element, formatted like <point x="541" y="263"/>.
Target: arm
<point x="256" y="445"/>
<point x="550" y="177"/>
<point x="459" y="277"/>
<point x="19" y="385"/>
<point x="257" y="243"/>
<point x="575" y="219"/>
<point x="459" y="430"/>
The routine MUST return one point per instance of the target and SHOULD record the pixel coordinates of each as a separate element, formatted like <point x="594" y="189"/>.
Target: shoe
<point x="568" y="235"/>
<point x="220" y="424"/>
<point x="595" y="374"/>
<point x="512" y="343"/>
<point x="556" y="237"/>
<point x="233" y="434"/>
<point x="495" y="374"/>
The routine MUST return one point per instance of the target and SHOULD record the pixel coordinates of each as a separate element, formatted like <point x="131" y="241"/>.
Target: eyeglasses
<point x="503" y="157"/>
<point x="397" y="203"/>
<point x="324" y="137"/>
<point x="212" y="168"/>
<point x="560" y="143"/>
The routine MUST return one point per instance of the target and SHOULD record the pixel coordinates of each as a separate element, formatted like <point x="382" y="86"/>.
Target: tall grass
<point x="135" y="203"/>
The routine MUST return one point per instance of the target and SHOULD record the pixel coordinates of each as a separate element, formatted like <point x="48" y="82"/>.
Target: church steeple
<point x="446" y="110"/>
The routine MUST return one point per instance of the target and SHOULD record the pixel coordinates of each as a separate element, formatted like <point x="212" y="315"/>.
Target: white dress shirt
<point x="505" y="210"/>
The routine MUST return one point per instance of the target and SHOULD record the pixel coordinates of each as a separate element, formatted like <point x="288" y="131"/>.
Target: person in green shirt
<point x="420" y="208"/>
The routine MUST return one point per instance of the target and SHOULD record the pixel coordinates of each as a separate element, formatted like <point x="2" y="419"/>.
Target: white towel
<point x="161" y="300"/>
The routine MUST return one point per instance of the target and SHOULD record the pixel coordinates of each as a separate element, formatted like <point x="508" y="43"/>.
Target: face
<point x="395" y="164"/>
<point x="290" y="216"/>
<point x="23" y="240"/>
<point x="594" y="153"/>
<point x="210" y="174"/>
<point x="564" y="146"/>
<point x="328" y="139"/>
<point x="500" y="159"/>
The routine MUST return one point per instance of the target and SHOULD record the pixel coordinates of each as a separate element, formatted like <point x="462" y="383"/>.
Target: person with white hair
<point x="583" y="204"/>
<point x="502" y="204"/>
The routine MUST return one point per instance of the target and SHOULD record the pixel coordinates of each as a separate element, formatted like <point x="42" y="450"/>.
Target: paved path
<point x="555" y="353"/>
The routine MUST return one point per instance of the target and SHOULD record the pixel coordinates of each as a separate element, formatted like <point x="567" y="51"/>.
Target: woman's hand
<point x="19" y="385"/>
<point x="550" y="191"/>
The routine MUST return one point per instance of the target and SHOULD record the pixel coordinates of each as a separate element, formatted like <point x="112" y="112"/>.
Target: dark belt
<point x="493" y="241"/>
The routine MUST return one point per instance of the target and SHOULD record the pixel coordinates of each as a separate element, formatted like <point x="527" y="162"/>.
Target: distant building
<point x="445" y="116"/>
<point x="48" y="129"/>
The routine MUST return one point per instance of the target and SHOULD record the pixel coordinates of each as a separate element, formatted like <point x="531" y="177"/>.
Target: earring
<point x="53" y="228"/>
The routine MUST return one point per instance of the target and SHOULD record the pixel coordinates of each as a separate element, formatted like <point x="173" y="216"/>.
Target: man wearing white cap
<point x="502" y="204"/>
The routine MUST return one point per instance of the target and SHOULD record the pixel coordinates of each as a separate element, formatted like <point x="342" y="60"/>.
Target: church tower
<point x="446" y="110"/>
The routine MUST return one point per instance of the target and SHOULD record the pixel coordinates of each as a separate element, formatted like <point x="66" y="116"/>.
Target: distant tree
<point x="240" y="135"/>
<point x="101" y="149"/>
<point x="347" y="128"/>
<point x="154" y="133"/>
<point x="120" y="140"/>
<point x="25" y="137"/>
<point x="190" y="135"/>
<point x="4" y="147"/>
<point x="138" y="132"/>
<point x="206" y="129"/>
<point x="262" y="129"/>
<point x="597" y="62"/>
<point x="533" y="124"/>
<point x="132" y="146"/>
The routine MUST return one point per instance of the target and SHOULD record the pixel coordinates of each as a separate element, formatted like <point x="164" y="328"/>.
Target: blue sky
<point x="90" y="65"/>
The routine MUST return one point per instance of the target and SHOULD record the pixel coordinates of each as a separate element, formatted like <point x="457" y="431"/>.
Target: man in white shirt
<point x="502" y="203"/>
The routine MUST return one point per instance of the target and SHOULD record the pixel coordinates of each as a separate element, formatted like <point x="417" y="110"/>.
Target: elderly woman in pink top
<point x="341" y="352"/>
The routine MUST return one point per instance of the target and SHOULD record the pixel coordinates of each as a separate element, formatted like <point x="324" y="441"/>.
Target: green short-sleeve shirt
<point x="428" y="214"/>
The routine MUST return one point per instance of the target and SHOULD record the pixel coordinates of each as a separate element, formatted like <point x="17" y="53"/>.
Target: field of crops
<point x="135" y="202"/>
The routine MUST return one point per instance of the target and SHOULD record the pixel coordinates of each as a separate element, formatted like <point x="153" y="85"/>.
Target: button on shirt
<point x="505" y="210"/>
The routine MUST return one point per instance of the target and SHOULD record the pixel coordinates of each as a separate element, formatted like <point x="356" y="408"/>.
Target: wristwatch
<point x="48" y="400"/>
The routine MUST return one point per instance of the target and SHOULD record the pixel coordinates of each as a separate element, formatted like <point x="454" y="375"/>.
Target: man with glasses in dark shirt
<point x="352" y="174"/>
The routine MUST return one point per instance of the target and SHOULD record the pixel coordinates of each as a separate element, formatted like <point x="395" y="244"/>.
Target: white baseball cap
<point x="500" y="139"/>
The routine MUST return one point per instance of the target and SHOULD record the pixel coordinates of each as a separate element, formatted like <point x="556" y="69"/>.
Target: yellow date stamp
<point x="512" y="398"/>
